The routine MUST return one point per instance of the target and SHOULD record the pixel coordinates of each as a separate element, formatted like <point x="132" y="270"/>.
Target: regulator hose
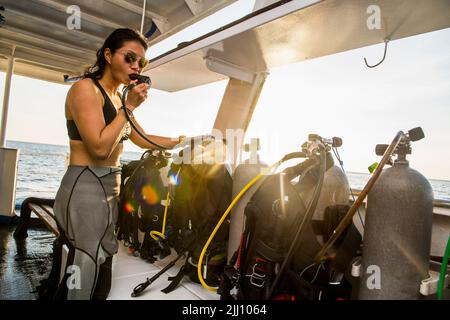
<point x="162" y="234"/>
<point x="222" y="219"/>
<point x="124" y="106"/>
<point x="308" y="216"/>
<point x="443" y="271"/>
<point x="232" y="204"/>
<point x="347" y="219"/>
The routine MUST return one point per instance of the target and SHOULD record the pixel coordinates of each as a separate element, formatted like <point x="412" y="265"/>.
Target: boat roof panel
<point x="47" y="49"/>
<point x="289" y="32"/>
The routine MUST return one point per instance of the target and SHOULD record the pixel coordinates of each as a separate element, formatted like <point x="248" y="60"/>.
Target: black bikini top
<point x="109" y="113"/>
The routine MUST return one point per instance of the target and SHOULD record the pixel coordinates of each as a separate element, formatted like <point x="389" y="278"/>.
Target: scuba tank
<point x="335" y="192"/>
<point x="243" y="174"/>
<point x="397" y="235"/>
<point x="282" y="230"/>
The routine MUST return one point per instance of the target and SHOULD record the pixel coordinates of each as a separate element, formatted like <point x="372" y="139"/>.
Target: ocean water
<point x="41" y="168"/>
<point x="441" y="188"/>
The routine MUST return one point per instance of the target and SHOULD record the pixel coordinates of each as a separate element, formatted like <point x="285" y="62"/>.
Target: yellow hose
<point x="155" y="234"/>
<point x="212" y="235"/>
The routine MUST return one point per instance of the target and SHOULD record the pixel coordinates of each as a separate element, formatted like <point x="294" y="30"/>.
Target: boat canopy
<point x="291" y="31"/>
<point x="50" y="42"/>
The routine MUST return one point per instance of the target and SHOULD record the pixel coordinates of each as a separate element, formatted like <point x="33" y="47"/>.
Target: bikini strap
<point x="105" y="95"/>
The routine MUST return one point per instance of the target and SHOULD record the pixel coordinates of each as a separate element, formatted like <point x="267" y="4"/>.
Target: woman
<point x="86" y="203"/>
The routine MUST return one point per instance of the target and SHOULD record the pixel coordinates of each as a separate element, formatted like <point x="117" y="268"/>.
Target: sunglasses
<point x="131" y="57"/>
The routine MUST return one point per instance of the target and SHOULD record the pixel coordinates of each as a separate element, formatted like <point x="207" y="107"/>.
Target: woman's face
<point x="130" y="58"/>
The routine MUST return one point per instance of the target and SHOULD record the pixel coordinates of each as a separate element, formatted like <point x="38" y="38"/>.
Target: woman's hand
<point x="137" y="95"/>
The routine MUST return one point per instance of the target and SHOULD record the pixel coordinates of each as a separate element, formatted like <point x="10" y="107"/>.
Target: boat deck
<point x="24" y="263"/>
<point x="129" y="271"/>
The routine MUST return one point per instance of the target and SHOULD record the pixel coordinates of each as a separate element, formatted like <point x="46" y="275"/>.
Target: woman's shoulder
<point x="83" y="87"/>
<point x="84" y="90"/>
<point x="84" y="83"/>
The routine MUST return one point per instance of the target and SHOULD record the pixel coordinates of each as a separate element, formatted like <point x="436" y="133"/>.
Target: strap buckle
<point x="256" y="279"/>
<point x="232" y="274"/>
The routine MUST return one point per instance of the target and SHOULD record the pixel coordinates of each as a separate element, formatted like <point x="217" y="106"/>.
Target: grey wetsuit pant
<point x="86" y="209"/>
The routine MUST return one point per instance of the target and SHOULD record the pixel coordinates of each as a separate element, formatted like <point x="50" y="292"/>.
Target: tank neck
<point x="401" y="163"/>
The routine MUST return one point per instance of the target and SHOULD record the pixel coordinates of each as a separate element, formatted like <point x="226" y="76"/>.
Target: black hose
<point x="141" y="287"/>
<point x="298" y="169"/>
<point x="294" y="155"/>
<point x="308" y="216"/>
<point x="124" y="106"/>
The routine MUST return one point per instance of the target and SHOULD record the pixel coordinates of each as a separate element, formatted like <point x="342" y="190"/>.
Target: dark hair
<point x="114" y="41"/>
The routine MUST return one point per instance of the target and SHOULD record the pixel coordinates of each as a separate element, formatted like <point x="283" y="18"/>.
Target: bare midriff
<point x="79" y="156"/>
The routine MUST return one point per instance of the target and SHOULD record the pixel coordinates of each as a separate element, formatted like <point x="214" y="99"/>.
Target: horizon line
<point x="60" y="145"/>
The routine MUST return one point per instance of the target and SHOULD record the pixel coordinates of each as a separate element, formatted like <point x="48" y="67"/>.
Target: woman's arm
<point x="85" y="107"/>
<point x="142" y="143"/>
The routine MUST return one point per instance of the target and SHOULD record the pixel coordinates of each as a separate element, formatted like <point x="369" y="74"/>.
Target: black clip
<point x="232" y="274"/>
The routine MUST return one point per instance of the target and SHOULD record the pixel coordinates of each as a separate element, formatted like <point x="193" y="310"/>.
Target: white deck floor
<point x="128" y="271"/>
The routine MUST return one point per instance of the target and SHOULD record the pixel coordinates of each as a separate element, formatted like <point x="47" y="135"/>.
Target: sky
<point x="332" y="96"/>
